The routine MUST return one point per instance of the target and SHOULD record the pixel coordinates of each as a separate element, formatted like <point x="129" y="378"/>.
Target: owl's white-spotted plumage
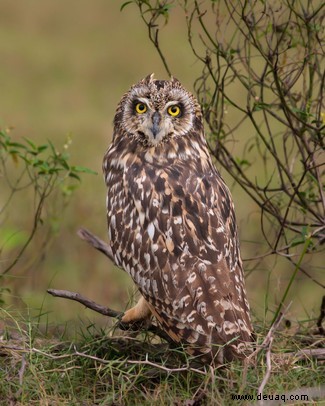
<point x="171" y="221"/>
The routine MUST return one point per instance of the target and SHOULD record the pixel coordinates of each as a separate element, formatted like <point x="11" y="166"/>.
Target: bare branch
<point x="321" y="317"/>
<point x="106" y="311"/>
<point x="268" y="368"/>
<point x="96" y="242"/>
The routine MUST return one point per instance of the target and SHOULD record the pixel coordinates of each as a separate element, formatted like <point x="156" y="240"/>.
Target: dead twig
<point x="21" y="376"/>
<point x="96" y="242"/>
<point x="321" y="317"/>
<point x="77" y="353"/>
<point x="266" y="344"/>
<point x="269" y="337"/>
<point x="268" y="368"/>
<point x="306" y="353"/>
<point x="106" y="311"/>
<point x="163" y="368"/>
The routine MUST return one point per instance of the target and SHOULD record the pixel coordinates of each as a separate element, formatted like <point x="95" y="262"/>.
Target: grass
<point x="111" y="367"/>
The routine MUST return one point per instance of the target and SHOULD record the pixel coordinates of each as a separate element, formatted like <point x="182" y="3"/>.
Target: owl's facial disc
<point x="156" y="125"/>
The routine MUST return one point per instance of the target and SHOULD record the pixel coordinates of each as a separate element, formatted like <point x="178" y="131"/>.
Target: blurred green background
<point x="64" y="67"/>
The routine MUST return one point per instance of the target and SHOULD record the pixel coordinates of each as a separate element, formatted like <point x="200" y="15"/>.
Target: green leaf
<point x="64" y="164"/>
<point x="27" y="160"/>
<point x="30" y="143"/>
<point x="14" y="151"/>
<point x="301" y="239"/>
<point x="242" y="162"/>
<point x="83" y="169"/>
<point x="258" y="106"/>
<point x="17" y="145"/>
<point x="73" y="175"/>
<point x="37" y="162"/>
<point x="42" y="148"/>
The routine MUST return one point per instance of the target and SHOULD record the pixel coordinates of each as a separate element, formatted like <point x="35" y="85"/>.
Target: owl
<point x="171" y="223"/>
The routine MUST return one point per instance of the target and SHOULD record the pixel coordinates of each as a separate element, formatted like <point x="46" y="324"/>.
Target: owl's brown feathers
<point x="171" y="221"/>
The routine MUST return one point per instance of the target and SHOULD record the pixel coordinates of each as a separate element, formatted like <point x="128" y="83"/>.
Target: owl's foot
<point x="140" y="312"/>
<point x="137" y="317"/>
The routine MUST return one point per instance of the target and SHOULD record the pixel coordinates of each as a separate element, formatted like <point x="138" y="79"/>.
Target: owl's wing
<point x="186" y="254"/>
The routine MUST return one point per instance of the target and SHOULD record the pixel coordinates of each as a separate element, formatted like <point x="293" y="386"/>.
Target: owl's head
<point x="153" y="111"/>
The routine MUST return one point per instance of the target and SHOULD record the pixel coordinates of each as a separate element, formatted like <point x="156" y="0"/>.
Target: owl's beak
<point x="156" y="118"/>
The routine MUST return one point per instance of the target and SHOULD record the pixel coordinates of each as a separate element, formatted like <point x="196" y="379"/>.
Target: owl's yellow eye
<point x="174" y="110"/>
<point x="140" y="108"/>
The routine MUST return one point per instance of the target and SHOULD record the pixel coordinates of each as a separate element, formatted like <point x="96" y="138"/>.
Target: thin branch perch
<point x="96" y="242"/>
<point x="106" y="311"/>
<point x="105" y="249"/>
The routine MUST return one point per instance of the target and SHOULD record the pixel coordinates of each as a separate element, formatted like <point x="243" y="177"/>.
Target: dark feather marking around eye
<point x="182" y="109"/>
<point x="136" y="101"/>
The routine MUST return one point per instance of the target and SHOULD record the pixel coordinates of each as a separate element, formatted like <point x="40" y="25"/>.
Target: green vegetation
<point x="41" y="169"/>
<point x="95" y="370"/>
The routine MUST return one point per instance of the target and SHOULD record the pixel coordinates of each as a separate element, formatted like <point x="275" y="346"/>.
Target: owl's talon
<point x="135" y="318"/>
<point x="132" y="326"/>
<point x="139" y="312"/>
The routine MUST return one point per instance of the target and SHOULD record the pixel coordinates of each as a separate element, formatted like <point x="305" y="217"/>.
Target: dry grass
<point x="115" y="368"/>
